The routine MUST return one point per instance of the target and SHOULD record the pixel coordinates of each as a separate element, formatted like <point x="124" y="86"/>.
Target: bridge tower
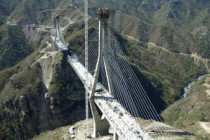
<point x="53" y="31"/>
<point x="57" y="36"/>
<point x="101" y="125"/>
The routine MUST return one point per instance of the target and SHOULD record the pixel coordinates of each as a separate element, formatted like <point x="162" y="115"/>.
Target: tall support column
<point x="115" y="137"/>
<point x="58" y="30"/>
<point x="101" y="126"/>
<point x="53" y="31"/>
<point x="58" y="27"/>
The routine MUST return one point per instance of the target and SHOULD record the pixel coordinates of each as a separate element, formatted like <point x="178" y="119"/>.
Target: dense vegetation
<point x="179" y="26"/>
<point x="13" y="45"/>
<point x="168" y="72"/>
<point x="7" y="6"/>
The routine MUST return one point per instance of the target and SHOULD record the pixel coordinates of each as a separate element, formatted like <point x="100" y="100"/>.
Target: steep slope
<point x="39" y="94"/>
<point x="6" y="7"/>
<point x="13" y="46"/>
<point x="36" y="11"/>
<point x="177" y="25"/>
<point x="180" y="27"/>
<point x="183" y="26"/>
<point x="192" y="112"/>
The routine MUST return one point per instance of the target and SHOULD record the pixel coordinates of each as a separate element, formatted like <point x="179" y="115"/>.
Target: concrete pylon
<point x="53" y="31"/>
<point x="57" y="21"/>
<point x="101" y="125"/>
<point x="115" y="136"/>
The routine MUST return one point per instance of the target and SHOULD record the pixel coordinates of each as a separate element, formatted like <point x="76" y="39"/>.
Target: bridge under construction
<point x="115" y="95"/>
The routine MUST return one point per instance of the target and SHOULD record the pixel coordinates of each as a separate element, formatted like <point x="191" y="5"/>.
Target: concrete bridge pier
<point x="115" y="136"/>
<point x="101" y="125"/>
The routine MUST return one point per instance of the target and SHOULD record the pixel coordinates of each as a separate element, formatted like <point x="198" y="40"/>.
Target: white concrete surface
<point x="123" y="123"/>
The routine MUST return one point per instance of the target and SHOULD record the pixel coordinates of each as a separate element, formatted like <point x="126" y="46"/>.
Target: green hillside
<point x="157" y="36"/>
<point x="192" y="112"/>
<point x="13" y="45"/>
<point x="6" y="7"/>
<point x="177" y="25"/>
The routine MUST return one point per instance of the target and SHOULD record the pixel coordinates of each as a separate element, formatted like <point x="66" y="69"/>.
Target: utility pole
<point x="86" y="66"/>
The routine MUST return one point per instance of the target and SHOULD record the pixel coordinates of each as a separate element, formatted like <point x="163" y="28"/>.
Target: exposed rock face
<point x="50" y="98"/>
<point x="32" y="34"/>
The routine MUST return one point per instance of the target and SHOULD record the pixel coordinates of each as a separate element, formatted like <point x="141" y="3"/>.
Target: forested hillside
<point x="13" y="46"/>
<point x="167" y="42"/>
<point x="177" y="25"/>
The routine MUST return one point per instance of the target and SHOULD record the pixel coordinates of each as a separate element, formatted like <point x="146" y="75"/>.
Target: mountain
<point x="165" y="41"/>
<point x="192" y="112"/>
<point x="176" y="26"/>
<point x="13" y="46"/>
<point x="38" y="94"/>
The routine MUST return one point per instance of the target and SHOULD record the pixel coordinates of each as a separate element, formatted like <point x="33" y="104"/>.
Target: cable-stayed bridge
<point x="116" y="97"/>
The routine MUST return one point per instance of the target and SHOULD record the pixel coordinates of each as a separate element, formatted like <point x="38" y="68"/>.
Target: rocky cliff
<point x="39" y="94"/>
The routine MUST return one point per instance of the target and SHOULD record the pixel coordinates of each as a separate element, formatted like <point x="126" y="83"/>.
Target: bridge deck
<point x="122" y="122"/>
<point x="59" y="43"/>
